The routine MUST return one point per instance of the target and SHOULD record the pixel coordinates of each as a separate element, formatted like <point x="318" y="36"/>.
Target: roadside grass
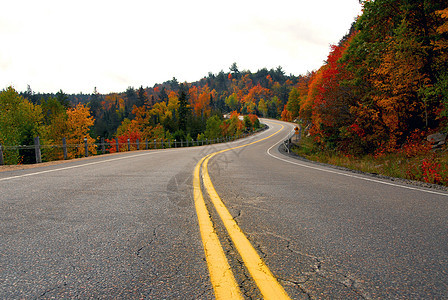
<point x="425" y="166"/>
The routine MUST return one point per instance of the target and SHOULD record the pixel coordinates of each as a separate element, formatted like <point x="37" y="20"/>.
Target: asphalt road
<point x="120" y="226"/>
<point x="125" y="226"/>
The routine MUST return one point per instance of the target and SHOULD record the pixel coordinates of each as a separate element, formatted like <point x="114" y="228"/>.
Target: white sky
<point x="78" y="45"/>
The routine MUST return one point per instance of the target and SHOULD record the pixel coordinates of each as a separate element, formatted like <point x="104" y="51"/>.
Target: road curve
<point x="126" y="226"/>
<point x="332" y="234"/>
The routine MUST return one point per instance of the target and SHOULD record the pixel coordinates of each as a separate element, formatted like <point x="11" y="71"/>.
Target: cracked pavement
<point x="127" y="228"/>
<point x="330" y="236"/>
<point x="114" y="230"/>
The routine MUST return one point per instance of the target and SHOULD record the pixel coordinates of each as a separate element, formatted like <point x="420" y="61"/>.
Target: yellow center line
<point x="221" y="276"/>
<point x="264" y="279"/>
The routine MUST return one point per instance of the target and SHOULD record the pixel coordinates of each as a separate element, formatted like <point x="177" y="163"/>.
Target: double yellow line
<point x="221" y="275"/>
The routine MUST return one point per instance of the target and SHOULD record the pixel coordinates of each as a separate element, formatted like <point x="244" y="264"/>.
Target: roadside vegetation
<point x="371" y="106"/>
<point x="415" y="161"/>
<point x="382" y="91"/>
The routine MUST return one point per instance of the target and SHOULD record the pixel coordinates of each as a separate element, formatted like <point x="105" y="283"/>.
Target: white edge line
<point x="84" y="165"/>
<point x="99" y="162"/>
<point x="350" y="175"/>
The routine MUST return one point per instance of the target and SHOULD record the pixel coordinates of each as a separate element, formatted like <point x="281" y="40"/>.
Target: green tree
<point x="51" y="107"/>
<point x="262" y="107"/>
<point x="174" y="84"/>
<point x="54" y="127"/>
<point x="234" y="70"/>
<point x="274" y="107"/>
<point x="213" y="129"/>
<point x="293" y="104"/>
<point x="63" y="99"/>
<point x="20" y="122"/>
<point x="183" y="108"/>
<point x="247" y="123"/>
<point x="232" y="102"/>
<point x="95" y="104"/>
<point x="142" y="97"/>
<point x="130" y="100"/>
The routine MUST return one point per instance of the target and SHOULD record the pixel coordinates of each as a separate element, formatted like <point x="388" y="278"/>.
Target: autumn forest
<point x="382" y="89"/>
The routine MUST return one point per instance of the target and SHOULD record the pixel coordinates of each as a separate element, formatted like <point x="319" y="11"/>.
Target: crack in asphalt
<point x="249" y="236"/>
<point x="245" y="281"/>
<point x="238" y="214"/>
<point x="297" y="284"/>
<point x="205" y="292"/>
<point x="317" y="269"/>
<point x="155" y="237"/>
<point x="51" y="290"/>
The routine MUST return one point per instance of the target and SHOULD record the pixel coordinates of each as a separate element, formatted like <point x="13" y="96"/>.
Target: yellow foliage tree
<point x="79" y="122"/>
<point x="398" y="80"/>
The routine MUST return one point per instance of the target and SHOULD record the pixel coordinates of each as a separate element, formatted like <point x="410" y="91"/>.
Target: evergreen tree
<point x="234" y="71"/>
<point x="130" y="101"/>
<point x="63" y="99"/>
<point x="183" y="108"/>
<point x="142" y="97"/>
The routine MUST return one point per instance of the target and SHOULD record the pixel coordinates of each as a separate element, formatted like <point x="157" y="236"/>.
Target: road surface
<point x="126" y="226"/>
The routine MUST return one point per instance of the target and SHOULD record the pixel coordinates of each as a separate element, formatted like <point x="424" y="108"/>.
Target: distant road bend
<point x="234" y="220"/>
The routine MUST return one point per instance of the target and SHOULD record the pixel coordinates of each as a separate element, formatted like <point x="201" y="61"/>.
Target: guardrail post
<point x="187" y="142"/>
<point x="288" y="145"/>
<point x="181" y="143"/>
<point x="86" y="147"/>
<point x="169" y="143"/>
<point x="155" y="144"/>
<point x="103" y="146"/>
<point x="147" y="144"/>
<point x="175" y="143"/>
<point x="2" y="162"/>
<point x="116" y="144"/>
<point x="37" y="150"/>
<point x="129" y="144"/>
<point x="138" y="144"/>
<point x="64" y="148"/>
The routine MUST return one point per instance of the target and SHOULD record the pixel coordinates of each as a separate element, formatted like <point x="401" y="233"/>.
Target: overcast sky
<point x="78" y="45"/>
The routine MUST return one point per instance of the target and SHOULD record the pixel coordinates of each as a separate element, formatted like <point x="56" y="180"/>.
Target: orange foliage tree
<point x="200" y="100"/>
<point x="327" y="105"/>
<point x="233" y="126"/>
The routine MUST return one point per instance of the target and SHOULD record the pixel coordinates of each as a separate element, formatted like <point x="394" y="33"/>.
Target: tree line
<point x="383" y="85"/>
<point x="184" y="113"/>
<point x="167" y="111"/>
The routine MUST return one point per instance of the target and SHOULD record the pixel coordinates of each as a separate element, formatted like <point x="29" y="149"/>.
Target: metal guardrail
<point x="287" y="143"/>
<point x="104" y="147"/>
<point x="295" y="133"/>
